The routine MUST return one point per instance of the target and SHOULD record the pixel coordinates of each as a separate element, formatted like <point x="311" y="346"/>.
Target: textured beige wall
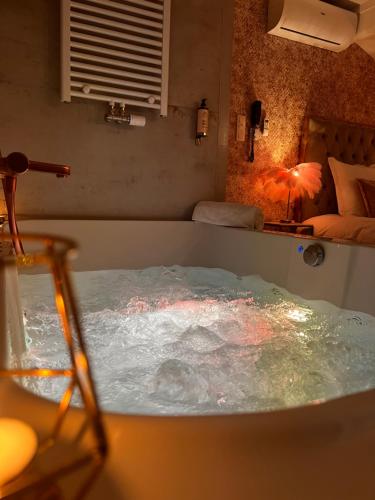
<point x="291" y="80"/>
<point x="156" y="172"/>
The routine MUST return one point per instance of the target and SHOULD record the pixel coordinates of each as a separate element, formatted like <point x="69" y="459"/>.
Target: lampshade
<point x="297" y="182"/>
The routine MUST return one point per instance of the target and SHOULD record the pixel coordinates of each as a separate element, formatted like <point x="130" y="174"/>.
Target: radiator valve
<point x="118" y="114"/>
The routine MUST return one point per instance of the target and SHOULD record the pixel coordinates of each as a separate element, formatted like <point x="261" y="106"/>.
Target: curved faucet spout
<point x="18" y="163"/>
<point x="12" y="166"/>
<point x="50" y="168"/>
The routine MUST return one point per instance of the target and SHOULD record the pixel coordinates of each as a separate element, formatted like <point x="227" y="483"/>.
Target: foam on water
<point x="195" y="341"/>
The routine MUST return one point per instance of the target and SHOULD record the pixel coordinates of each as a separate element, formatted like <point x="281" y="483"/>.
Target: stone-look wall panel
<point x="292" y="80"/>
<point x="117" y="171"/>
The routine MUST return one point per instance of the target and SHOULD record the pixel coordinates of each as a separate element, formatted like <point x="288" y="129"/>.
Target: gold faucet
<point x="12" y="166"/>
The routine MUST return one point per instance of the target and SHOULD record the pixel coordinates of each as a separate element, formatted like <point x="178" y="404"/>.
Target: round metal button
<point x="314" y="255"/>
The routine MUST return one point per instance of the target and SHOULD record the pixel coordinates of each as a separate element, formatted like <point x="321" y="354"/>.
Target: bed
<point x="348" y="143"/>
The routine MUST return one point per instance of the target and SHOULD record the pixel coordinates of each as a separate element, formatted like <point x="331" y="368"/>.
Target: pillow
<point x="367" y="190"/>
<point x="349" y="199"/>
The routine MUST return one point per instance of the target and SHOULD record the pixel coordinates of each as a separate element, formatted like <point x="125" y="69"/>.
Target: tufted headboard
<point x="344" y="141"/>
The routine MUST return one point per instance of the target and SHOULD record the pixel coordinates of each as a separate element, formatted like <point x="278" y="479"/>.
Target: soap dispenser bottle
<point x="202" y="122"/>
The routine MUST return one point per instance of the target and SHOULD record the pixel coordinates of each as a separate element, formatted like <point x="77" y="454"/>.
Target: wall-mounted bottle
<point x="202" y="122"/>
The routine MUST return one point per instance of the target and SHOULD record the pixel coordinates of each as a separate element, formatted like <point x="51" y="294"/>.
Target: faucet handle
<point x="14" y="164"/>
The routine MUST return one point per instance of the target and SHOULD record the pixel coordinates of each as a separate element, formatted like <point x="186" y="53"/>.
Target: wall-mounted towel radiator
<point x="116" y="51"/>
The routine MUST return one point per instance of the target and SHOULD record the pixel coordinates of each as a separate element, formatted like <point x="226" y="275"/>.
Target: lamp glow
<point x="291" y="183"/>
<point x="18" y="445"/>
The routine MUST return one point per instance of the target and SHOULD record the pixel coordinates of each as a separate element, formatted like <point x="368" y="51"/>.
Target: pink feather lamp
<point x="296" y="182"/>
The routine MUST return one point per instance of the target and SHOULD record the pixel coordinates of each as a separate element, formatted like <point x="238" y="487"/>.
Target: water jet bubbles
<point x="201" y="339"/>
<point x="299" y="315"/>
<point x="177" y="381"/>
<point x="357" y="320"/>
<point x="178" y="340"/>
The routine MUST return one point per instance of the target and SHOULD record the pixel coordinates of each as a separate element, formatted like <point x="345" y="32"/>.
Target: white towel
<point x="229" y="214"/>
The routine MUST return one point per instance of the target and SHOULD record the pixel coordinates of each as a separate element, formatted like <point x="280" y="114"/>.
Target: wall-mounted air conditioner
<point x="313" y="22"/>
<point x="366" y="30"/>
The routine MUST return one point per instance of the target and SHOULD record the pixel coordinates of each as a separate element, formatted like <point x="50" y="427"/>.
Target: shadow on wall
<point x="292" y="80"/>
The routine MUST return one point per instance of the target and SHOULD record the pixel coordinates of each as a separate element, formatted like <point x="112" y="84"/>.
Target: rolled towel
<point x="229" y="214"/>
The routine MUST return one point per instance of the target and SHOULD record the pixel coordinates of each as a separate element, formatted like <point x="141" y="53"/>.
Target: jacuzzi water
<point x="198" y="341"/>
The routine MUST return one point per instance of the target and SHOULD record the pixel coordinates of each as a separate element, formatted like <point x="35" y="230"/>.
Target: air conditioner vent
<point x="309" y="36"/>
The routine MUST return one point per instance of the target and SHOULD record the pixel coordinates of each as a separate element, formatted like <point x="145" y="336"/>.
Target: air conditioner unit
<point x="366" y="30"/>
<point x="313" y="22"/>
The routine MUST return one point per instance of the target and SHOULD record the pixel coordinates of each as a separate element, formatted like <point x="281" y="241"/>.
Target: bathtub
<point x="323" y="451"/>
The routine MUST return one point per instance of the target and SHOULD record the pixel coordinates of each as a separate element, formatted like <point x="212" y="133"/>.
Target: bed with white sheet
<point x="344" y="209"/>
<point x="344" y="227"/>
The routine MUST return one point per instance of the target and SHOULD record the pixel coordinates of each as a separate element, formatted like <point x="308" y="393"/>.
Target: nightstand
<point x="289" y="227"/>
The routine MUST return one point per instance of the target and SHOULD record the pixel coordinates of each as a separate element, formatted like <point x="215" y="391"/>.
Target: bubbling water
<point x="176" y="340"/>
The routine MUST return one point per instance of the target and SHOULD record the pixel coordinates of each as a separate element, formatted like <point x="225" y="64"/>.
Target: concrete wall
<point x="156" y="172"/>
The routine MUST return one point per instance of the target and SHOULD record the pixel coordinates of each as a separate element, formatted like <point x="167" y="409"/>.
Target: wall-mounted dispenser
<point x="203" y="115"/>
<point x="117" y="114"/>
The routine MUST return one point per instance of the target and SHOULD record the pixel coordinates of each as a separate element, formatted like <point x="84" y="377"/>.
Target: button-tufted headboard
<point x="344" y="141"/>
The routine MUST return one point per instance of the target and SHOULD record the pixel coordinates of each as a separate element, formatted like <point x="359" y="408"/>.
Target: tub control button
<point x="314" y="255"/>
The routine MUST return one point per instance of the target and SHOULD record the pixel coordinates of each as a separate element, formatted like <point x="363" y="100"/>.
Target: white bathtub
<point x="316" y="452"/>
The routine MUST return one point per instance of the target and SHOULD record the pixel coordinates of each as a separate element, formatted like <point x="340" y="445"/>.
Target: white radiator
<point x="116" y="51"/>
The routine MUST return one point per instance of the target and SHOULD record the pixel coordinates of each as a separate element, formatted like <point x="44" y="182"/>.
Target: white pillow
<point x="349" y="199"/>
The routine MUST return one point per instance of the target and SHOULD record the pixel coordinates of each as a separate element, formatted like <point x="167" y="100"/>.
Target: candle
<point x="18" y="445"/>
